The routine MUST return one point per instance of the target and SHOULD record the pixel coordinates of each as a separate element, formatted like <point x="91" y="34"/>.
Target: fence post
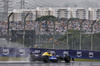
<point x="8" y="26"/>
<point x="24" y="29"/>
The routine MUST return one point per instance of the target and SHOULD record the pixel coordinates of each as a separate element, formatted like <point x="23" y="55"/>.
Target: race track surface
<point x="72" y="63"/>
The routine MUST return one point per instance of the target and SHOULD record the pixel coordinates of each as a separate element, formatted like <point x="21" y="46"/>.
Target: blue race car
<point x="54" y="58"/>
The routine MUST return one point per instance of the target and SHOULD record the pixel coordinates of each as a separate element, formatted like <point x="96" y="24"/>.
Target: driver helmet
<point x="49" y="52"/>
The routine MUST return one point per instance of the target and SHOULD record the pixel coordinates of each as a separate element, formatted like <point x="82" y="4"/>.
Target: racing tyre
<point x="67" y="59"/>
<point x="45" y="59"/>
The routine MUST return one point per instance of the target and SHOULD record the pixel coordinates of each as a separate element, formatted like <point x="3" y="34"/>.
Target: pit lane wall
<point x="25" y="52"/>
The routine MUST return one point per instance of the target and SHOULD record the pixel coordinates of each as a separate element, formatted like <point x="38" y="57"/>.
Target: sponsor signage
<point x="25" y="52"/>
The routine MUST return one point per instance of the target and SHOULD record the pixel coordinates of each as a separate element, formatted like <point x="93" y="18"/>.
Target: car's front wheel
<point x="45" y="59"/>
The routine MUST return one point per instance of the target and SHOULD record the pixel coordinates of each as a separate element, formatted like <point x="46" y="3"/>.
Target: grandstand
<point x="60" y="26"/>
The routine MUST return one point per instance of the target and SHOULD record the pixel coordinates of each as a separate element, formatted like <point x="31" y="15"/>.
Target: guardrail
<point x="25" y="52"/>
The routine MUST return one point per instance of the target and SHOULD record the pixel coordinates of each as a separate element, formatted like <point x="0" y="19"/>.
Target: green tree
<point x="46" y="18"/>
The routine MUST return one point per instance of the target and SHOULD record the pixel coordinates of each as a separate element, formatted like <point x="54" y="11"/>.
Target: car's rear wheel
<point x="67" y="59"/>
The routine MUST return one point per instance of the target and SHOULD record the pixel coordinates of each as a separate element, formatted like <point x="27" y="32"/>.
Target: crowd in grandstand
<point x="47" y="27"/>
<point x="3" y="28"/>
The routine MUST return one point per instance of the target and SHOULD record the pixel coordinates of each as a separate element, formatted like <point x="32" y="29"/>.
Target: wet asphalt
<point x="72" y="63"/>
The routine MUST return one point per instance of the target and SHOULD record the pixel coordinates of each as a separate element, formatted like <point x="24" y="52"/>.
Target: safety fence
<point x="25" y="52"/>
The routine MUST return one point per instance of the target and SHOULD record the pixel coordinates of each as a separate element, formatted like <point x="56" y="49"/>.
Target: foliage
<point x="62" y="19"/>
<point x="49" y="17"/>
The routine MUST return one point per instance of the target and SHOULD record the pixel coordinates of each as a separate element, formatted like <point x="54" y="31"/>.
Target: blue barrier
<point x="24" y="52"/>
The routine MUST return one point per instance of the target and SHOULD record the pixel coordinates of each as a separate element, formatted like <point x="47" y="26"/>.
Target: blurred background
<point x="50" y="24"/>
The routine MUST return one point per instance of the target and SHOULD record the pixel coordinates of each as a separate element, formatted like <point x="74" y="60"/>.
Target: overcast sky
<point x="69" y="3"/>
<point x="78" y="2"/>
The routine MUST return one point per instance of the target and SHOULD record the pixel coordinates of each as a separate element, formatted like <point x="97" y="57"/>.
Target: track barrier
<point x="25" y="52"/>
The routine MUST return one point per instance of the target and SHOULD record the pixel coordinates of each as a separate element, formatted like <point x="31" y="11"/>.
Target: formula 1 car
<point x="54" y="58"/>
